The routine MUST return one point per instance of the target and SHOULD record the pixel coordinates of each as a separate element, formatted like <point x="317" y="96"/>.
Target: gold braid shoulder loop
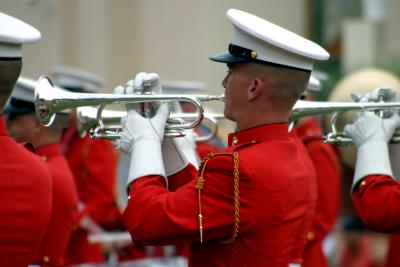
<point x="200" y="187"/>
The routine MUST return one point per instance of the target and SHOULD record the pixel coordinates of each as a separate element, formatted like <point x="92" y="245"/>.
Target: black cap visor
<point x="238" y="54"/>
<point x="19" y="107"/>
<point x="228" y="58"/>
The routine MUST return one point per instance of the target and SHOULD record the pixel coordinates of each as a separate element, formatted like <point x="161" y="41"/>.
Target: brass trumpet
<point x="49" y="101"/>
<point x="87" y="120"/>
<point x="311" y="108"/>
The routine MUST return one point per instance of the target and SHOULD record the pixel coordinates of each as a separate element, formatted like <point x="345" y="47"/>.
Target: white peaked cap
<point x="24" y="89"/>
<point x="22" y="98"/>
<point x="257" y="40"/>
<point x="183" y="87"/>
<point x="314" y="85"/>
<point x="74" y="79"/>
<point x="14" y="33"/>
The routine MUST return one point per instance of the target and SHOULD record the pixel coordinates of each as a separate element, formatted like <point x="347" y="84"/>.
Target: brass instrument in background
<point x="49" y="101"/>
<point x="110" y="120"/>
<point x="311" y="108"/>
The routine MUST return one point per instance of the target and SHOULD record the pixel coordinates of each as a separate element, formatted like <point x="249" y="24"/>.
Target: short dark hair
<point x="287" y="84"/>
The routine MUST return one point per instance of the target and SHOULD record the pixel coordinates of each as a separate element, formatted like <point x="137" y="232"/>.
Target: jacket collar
<point x="3" y="128"/>
<point x="49" y="150"/>
<point x="309" y="129"/>
<point x="259" y="134"/>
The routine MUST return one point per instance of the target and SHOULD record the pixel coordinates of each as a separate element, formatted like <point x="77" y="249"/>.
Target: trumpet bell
<point x="43" y="113"/>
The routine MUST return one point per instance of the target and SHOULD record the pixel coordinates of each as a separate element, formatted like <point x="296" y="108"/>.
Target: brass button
<point x="46" y="259"/>
<point x="310" y="236"/>
<point x="129" y="197"/>
<point x="235" y="140"/>
<point x="363" y="183"/>
<point x="253" y="54"/>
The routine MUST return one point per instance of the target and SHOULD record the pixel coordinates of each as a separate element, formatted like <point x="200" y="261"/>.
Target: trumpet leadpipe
<point x="203" y="98"/>
<point x="304" y="108"/>
<point x="49" y="101"/>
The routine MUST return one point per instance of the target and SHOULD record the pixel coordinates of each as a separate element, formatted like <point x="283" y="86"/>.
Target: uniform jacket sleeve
<point x="101" y="175"/>
<point x="157" y="216"/>
<point x="376" y="200"/>
<point x="328" y="185"/>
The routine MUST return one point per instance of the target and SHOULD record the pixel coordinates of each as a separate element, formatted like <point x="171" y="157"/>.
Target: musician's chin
<point x="228" y="115"/>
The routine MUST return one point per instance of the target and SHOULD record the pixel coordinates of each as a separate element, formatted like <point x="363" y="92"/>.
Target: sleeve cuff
<point x="146" y="160"/>
<point x="372" y="158"/>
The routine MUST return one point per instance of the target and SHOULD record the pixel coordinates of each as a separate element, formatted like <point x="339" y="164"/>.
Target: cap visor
<point x="11" y="110"/>
<point x="228" y="58"/>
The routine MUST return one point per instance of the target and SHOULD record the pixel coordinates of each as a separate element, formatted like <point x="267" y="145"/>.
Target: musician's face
<point x="22" y="128"/>
<point x="235" y="84"/>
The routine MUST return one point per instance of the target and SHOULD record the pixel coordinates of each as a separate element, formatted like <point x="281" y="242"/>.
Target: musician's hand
<point x="371" y="135"/>
<point x="178" y="153"/>
<point x="143" y="82"/>
<point x="369" y="128"/>
<point x="379" y="94"/>
<point x="188" y="146"/>
<point x="141" y="138"/>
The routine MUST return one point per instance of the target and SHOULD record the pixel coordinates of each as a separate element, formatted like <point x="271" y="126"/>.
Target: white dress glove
<point x="178" y="153"/>
<point x="385" y="94"/>
<point x="188" y="146"/>
<point x="371" y="135"/>
<point x="141" y="138"/>
<point x="143" y="82"/>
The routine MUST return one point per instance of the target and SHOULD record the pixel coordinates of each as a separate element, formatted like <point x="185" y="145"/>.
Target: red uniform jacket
<point x="376" y="199"/>
<point x="327" y="170"/>
<point x="393" y="256"/>
<point x="25" y="201"/>
<point x="93" y="164"/>
<point x="276" y="179"/>
<point x="205" y="148"/>
<point x="64" y="214"/>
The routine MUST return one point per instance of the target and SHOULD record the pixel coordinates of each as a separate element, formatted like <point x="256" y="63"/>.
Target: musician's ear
<point x="37" y="127"/>
<point x="254" y="89"/>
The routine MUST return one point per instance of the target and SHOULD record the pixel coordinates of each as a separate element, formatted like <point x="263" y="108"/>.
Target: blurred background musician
<point x="25" y="182"/>
<point x="327" y="170"/>
<point x="25" y="128"/>
<point x="93" y="164"/>
<point x="357" y="242"/>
